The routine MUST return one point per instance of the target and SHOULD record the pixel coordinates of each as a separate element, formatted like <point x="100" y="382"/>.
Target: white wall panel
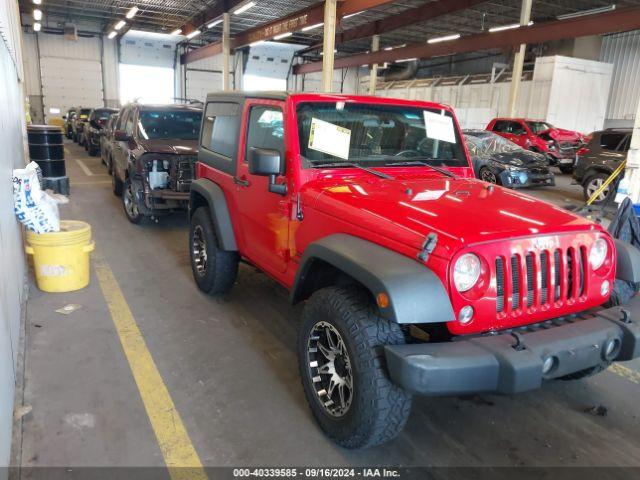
<point x="12" y="258"/>
<point x="148" y="49"/>
<point x="623" y="51"/>
<point x="110" y="73"/>
<point x="79" y="83"/>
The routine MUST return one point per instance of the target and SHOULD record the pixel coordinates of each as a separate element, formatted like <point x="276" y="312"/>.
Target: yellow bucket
<point x="61" y="259"/>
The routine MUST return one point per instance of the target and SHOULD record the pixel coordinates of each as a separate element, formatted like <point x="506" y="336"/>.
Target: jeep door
<point x="263" y="215"/>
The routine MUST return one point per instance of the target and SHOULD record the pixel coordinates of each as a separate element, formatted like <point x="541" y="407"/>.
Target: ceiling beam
<point x="291" y="23"/>
<point x="423" y="13"/>
<point x="619" y="20"/>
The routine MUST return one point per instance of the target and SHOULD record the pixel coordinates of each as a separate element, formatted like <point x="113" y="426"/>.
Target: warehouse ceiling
<point x="167" y="15"/>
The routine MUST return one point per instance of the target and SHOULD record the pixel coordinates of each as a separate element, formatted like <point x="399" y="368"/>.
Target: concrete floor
<point x="230" y="367"/>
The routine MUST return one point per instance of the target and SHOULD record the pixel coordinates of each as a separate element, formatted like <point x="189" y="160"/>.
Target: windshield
<point x="489" y="143"/>
<point x="181" y="125"/>
<point x="377" y="135"/>
<point x="84" y="113"/>
<point x="102" y="114"/>
<point x="538" y="127"/>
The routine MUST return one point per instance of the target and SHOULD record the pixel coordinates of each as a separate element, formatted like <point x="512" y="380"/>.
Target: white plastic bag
<point x="37" y="210"/>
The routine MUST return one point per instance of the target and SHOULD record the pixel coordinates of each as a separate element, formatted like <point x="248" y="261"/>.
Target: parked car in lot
<point x="154" y="152"/>
<point x="106" y="141"/>
<point x="96" y="122"/>
<point x="606" y="150"/>
<point x="416" y="277"/>
<point x="559" y="145"/>
<point x="68" y="122"/>
<point x="498" y="160"/>
<point x="78" y="123"/>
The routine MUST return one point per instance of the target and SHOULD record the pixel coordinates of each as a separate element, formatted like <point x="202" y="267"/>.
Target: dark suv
<point x="599" y="158"/>
<point x="106" y="141"/>
<point x="154" y="150"/>
<point x="93" y="129"/>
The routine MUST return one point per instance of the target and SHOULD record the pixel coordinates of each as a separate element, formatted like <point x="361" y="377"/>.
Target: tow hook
<point x="625" y="316"/>
<point x="428" y="247"/>
<point x="519" y="345"/>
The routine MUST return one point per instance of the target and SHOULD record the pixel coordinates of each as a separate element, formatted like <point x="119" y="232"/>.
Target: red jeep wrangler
<point x="416" y="277"/>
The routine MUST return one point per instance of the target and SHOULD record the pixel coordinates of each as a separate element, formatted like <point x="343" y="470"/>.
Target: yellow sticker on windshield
<point x="328" y="138"/>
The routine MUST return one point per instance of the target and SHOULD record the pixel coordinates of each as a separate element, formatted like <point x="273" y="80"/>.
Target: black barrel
<point x="47" y="150"/>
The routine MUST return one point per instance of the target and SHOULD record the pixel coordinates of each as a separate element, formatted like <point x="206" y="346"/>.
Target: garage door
<point x="71" y="74"/>
<point x="200" y="82"/>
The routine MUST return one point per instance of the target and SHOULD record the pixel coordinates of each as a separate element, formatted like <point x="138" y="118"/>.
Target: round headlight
<point x="466" y="272"/>
<point x="598" y="253"/>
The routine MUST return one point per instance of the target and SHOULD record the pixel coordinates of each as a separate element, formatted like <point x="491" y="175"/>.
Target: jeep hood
<point x="461" y="211"/>
<point x="170" y="146"/>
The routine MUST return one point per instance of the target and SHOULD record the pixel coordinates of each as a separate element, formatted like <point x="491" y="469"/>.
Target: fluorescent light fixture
<point x="446" y="38"/>
<point x="112" y="34"/>
<point x="508" y="27"/>
<point x="177" y="31"/>
<point x="120" y="24"/>
<point x="36" y="27"/>
<point x="283" y="35"/>
<point x="397" y="46"/>
<point x="244" y="8"/>
<point x="583" y="13"/>
<point x="193" y="34"/>
<point x="353" y="14"/>
<point x="407" y="60"/>
<point x="132" y="12"/>
<point x="256" y="43"/>
<point x="214" y="23"/>
<point x="37" y="2"/>
<point x="37" y="14"/>
<point x="311" y="27"/>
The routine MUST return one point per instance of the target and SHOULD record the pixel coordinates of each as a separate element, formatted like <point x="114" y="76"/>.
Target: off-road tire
<point x="221" y="269"/>
<point x="379" y="409"/>
<point x="587" y="372"/>
<point x="116" y="185"/>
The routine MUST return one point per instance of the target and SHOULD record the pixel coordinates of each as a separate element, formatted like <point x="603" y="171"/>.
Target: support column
<point x="631" y="183"/>
<point x="226" y="50"/>
<point x="328" y="44"/>
<point x="373" y="75"/>
<point x="516" y="78"/>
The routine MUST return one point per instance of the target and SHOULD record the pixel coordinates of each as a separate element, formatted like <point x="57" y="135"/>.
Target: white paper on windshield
<point x="439" y="127"/>
<point x="328" y="138"/>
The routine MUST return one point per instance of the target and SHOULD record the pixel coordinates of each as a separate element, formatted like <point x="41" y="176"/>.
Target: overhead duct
<point x="403" y="71"/>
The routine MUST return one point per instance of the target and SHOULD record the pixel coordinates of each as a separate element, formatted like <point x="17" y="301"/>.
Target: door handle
<point x="241" y="182"/>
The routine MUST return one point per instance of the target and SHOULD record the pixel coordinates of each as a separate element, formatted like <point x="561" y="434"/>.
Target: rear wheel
<point x="488" y="176"/>
<point x="593" y="184"/>
<point x="116" y="185"/>
<point x="343" y="370"/>
<point x="214" y="270"/>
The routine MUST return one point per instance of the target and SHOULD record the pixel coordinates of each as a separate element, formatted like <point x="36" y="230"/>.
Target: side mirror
<point x="267" y="163"/>
<point x="121" y="136"/>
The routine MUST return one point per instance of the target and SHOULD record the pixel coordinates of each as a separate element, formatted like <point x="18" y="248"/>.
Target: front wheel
<point x="343" y="370"/>
<point x="130" y="203"/>
<point x="214" y="270"/>
<point x="488" y="176"/>
<point x="116" y="185"/>
<point x="593" y="184"/>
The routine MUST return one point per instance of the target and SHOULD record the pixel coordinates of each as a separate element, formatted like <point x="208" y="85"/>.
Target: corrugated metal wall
<point x="623" y="51"/>
<point x="12" y="258"/>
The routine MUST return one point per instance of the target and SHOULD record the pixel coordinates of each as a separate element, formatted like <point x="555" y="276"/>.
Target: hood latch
<point x="428" y="247"/>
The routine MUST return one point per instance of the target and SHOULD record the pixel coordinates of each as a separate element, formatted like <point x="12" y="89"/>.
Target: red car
<point x="559" y="145"/>
<point x="416" y="277"/>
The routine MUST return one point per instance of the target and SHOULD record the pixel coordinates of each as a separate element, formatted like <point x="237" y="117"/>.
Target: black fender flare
<point x="217" y="203"/>
<point x="416" y="294"/>
<point x="628" y="262"/>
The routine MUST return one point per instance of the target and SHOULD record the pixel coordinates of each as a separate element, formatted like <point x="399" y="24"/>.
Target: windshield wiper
<point x="423" y="164"/>
<point x="354" y="165"/>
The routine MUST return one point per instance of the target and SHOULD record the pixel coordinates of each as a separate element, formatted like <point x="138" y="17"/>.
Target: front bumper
<point x="496" y="364"/>
<point x="525" y="178"/>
